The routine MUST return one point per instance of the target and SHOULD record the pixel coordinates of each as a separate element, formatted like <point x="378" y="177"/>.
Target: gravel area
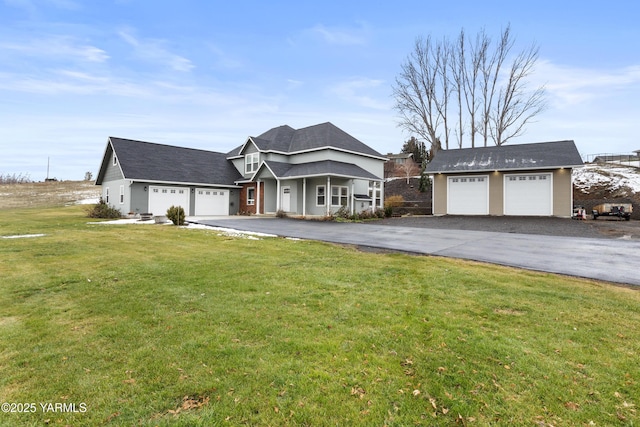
<point x="601" y="228"/>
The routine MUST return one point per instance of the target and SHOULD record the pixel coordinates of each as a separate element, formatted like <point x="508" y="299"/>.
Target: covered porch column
<point x="258" y="197"/>
<point x="381" y="194"/>
<point x="373" y="196"/>
<point x="328" y="196"/>
<point x="278" y="207"/>
<point x="304" y="196"/>
<point x="353" y="198"/>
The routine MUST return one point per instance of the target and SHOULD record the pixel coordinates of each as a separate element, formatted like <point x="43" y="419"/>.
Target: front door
<point x="286" y="199"/>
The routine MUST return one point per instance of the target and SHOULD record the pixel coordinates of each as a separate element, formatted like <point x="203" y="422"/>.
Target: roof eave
<point x="504" y="169"/>
<point x="185" y="183"/>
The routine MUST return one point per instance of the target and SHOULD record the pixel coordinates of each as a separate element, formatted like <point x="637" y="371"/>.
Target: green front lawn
<point x="159" y="325"/>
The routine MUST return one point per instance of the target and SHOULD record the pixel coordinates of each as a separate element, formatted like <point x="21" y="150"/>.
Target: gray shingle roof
<point x="542" y="155"/>
<point x="285" y="139"/>
<point x="146" y="161"/>
<point x="320" y="168"/>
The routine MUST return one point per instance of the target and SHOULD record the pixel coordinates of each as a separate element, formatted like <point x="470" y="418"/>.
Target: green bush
<point x="176" y="215"/>
<point x="103" y="210"/>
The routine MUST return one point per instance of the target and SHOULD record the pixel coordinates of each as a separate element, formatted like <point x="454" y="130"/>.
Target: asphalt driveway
<point x="613" y="260"/>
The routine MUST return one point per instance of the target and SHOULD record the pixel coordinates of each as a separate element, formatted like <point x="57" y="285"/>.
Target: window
<point x="106" y="196"/>
<point x="251" y="162"/>
<point x="320" y="195"/>
<point x="115" y="159"/>
<point x="378" y="190"/>
<point x="251" y="196"/>
<point x="339" y="196"/>
<point x="122" y="194"/>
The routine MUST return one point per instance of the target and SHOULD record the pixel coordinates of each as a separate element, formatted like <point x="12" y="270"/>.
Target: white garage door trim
<point x="468" y="195"/>
<point x="528" y="194"/>
<point x="212" y="201"/>
<point x="162" y="197"/>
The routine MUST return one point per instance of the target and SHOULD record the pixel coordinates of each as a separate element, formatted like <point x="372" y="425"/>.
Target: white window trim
<point x="251" y="161"/>
<point x="324" y="187"/>
<point x="340" y="196"/>
<point x="251" y="201"/>
<point x="122" y="194"/>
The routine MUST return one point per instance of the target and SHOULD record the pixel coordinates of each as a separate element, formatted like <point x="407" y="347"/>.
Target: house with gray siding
<point x="310" y="171"/>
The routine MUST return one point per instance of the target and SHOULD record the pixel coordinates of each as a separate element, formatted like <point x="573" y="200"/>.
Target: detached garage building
<point x="526" y="179"/>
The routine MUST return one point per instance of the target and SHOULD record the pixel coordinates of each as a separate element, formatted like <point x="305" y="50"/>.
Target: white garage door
<point x="162" y="198"/>
<point x="468" y="195"/>
<point x="212" y="201"/>
<point x="528" y="194"/>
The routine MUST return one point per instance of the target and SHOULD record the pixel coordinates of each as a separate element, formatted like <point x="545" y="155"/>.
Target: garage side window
<point x="251" y="162"/>
<point x="251" y="196"/>
<point x="122" y="194"/>
<point x="106" y="196"/>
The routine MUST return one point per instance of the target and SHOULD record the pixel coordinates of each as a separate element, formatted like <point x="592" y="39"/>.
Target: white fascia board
<point x="326" y="147"/>
<point x="501" y="170"/>
<point x="183" y="184"/>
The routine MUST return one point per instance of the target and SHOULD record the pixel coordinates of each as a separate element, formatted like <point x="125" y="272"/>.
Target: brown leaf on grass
<point x="194" y="402"/>
<point x="433" y="403"/>
<point x="572" y="405"/>
<point x="130" y="381"/>
<point x="358" y="391"/>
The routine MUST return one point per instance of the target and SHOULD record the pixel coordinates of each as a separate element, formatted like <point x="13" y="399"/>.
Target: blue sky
<point x="207" y="74"/>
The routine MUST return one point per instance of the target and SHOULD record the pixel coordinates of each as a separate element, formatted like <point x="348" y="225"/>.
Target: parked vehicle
<point x="620" y="210"/>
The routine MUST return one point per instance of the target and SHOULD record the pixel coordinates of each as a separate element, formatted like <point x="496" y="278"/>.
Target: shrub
<point x="281" y="214"/>
<point x="103" y="210"/>
<point x="394" y="201"/>
<point x="176" y="215"/>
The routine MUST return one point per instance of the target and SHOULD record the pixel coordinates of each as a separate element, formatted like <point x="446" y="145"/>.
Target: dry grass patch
<point x="46" y="194"/>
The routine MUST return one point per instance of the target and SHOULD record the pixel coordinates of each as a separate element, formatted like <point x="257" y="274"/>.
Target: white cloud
<point x="340" y="36"/>
<point x="59" y="47"/>
<point x="154" y="50"/>
<point x="571" y="86"/>
<point x="362" y="92"/>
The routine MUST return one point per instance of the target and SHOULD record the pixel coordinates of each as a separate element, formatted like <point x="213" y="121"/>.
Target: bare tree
<point x="465" y="87"/>
<point x="408" y="169"/>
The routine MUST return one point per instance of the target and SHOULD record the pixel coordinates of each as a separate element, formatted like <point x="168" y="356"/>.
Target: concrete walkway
<point x="612" y="260"/>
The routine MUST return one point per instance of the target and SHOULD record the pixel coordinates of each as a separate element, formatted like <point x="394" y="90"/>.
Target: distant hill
<point x="46" y="194"/>
<point x="594" y="184"/>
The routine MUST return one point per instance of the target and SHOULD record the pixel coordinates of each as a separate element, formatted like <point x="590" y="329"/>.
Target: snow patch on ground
<point x="230" y="232"/>
<point x="93" y="201"/>
<point x="612" y="177"/>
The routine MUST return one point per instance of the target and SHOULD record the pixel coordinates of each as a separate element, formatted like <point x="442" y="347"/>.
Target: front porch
<point x="310" y="196"/>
